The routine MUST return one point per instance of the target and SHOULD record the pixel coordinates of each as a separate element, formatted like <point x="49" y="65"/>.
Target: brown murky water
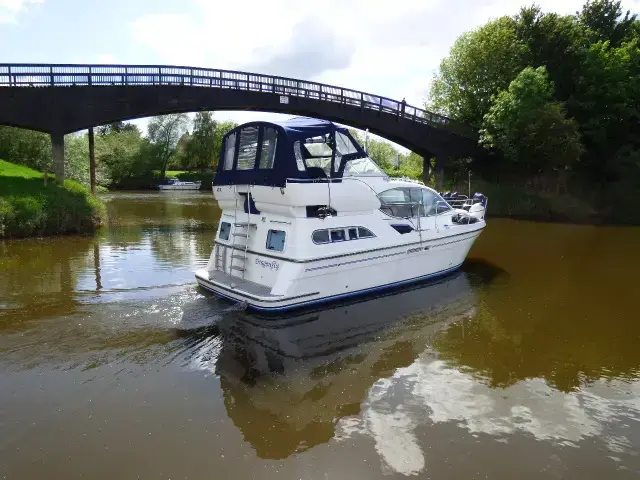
<point x="526" y="364"/>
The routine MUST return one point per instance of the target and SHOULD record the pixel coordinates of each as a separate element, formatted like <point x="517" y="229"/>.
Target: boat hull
<point x="303" y="284"/>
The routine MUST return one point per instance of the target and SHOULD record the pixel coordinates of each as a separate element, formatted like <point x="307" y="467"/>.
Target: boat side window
<point x="225" y="229"/>
<point x="338" y="235"/>
<point x="275" y="240"/>
<point x="432" y="203"/>
<point x="365" y="233"/>
<point x="396" y="202"/>
<point x="268" y="151"/>
<point x="298" y="153"/>
<point x="320" y="236"/>
<point x="248" y="148"/>
<point x="344" y="145"/>
<point x="229" y="150"/>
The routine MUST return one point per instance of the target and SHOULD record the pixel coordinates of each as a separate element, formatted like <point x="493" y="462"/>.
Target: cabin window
<point x="298" y="153"/>
<point x="320" y="236"/>
<point x="433" y="203"/>
<point x="344" y="144"/>
<point x="319" y="153"/>
<point x="396" y="202"/>
<point x="362" y="166"/>
<point x="275" y="240"/>
<point x="248" y="148"/>
<point x="337" y="235"/>
<point x="411" y="202"/>
<point x="268" y="151"/>
<point x="229" y="150"/>
<point x="225" y="230"/>
<point x="365" y="233"/>
<point x="341" y="235"/>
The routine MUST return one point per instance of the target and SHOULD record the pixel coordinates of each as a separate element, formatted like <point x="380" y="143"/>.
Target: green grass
<point x="29" y="208"/>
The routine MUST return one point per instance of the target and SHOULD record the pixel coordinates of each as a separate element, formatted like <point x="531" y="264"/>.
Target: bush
<point x="29" y="208"/>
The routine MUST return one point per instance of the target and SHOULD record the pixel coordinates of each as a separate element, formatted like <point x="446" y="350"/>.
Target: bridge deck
<point x="68" y="75"/>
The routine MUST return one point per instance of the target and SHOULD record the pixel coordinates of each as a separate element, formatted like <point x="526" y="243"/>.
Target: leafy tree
<point x="27" y="147"/>
<point x="164" y="132"/>
<point x="529" y="128"/>
<point x="116" y="127"/>
<point x="607" y="104"/>
<point x="554" y="41"/>
<point x="481" y="64"/>
<point x="202" y="145"/>
<point x="76" y="155"/>
<point x="122" y="157"/>
<point x="605" y="21"/>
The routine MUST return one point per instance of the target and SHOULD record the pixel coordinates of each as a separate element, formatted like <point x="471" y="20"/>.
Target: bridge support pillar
<point x="426" y="169"/>
<point x="57" y="147"/>
<point x="92" y="162"/>
<point x="439" y="172"/>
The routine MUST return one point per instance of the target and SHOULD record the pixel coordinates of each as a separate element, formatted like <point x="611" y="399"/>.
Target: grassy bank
<point x="29" y="208"/>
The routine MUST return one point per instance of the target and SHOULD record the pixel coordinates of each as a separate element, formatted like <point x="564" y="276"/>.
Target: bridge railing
<point x="68" y="75"/>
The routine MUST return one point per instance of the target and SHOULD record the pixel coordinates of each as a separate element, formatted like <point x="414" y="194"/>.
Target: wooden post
<point x="92" y="161"/>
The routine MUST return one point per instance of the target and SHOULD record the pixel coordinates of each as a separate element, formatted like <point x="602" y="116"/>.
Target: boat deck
<point x="237" y="284"/>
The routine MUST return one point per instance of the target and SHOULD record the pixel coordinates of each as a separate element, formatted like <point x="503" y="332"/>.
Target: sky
<point x="385" y="47"/>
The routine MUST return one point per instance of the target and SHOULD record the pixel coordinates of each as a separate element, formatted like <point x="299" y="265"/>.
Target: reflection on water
<point x="113" y="364"/>
<point x="298" y="376"/>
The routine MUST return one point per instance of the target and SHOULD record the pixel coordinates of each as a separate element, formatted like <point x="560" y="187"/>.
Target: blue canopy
<point x="270" y="153"/>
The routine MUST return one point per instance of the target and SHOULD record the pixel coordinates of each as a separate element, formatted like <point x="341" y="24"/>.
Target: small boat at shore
<point x="308" y="217"/>
<point x="175" y="184"/>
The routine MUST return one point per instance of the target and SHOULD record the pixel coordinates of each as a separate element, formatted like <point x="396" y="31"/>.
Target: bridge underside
<point x="62" y="110"/>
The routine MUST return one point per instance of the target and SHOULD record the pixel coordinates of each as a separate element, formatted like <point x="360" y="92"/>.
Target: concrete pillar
<point x="439" y="170"/>
<point x="92" y="162"/>
<point x="426" y="169"/>
<point x="57" y="145"/>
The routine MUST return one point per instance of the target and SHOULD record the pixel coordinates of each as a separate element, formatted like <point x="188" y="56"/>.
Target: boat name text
<point x="265" y="264"/>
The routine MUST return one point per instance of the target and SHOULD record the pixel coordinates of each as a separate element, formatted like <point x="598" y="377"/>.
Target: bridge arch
<point x="61" y="99"/>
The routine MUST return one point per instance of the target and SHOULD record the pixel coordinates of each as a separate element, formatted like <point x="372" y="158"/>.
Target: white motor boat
<point x="308" y="217"/>
<point x="175" y="184"/>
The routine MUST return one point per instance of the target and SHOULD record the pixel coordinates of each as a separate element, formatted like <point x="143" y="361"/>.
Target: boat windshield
<point x="362" y="166"/>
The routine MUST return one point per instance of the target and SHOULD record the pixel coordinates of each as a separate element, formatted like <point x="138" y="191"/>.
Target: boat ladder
<point x="241" y="236"/>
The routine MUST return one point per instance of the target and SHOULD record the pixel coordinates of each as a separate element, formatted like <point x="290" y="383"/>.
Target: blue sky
<point x="385" y="47"/>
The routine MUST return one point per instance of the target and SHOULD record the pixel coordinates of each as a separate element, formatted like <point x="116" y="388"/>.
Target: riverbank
<point x="30" y="208"/>
<point x="507" y="201"/>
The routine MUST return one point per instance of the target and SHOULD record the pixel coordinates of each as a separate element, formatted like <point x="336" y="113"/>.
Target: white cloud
<point x="11" y="9"/>
<point x="386" y="48"/>
<point x="433" y="392"/>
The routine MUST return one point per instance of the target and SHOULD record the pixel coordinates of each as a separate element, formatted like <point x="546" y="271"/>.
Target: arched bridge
<point x="61" y="99"/>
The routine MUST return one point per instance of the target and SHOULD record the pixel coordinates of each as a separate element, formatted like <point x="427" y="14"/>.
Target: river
<point x="525" y="364"/>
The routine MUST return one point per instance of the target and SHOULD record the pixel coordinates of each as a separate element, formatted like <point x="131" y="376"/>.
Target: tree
<point x="27" y="147"/>
<point x="116" y="127"/>
<point x="605" y="22"/>
<point x="556" y="42"/>
<point x="202" y="146"/>
<point x="530" y="129"/>
<point x="480" y="65"/>
<point x="122" y="157"/>
<point x="164" y="132"/>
